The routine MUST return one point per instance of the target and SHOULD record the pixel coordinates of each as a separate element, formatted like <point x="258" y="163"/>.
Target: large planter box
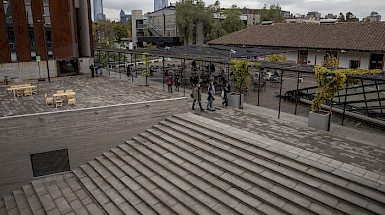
<point x="141" y="80"/>
<point x="234" y="100"/>
<point x="319" y="120"/>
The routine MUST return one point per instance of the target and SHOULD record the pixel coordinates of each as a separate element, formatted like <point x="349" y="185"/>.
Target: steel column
<point x="343" y="113"/>
<point x="280" y="95"/>
<point x="363" y="91"/>
<point x="296" y="95"/>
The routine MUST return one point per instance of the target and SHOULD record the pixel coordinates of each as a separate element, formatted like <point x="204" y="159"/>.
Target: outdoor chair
<point x="48" y="100"/>
<point x="60" y="91"/>
<point x="71" y="101"/>
<point x="28" y="92"/>
<point x="34" y="90"/>
<point x="19" y="93"/>
<point x="59" y="103"/>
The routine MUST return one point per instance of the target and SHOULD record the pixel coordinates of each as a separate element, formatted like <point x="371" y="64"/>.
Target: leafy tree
<point x="103" y="33"/>
<point x="342" y="18"/>
<point x="330" y="81"/>
<point x="350" y="17"/>
<point x="217" y="29"/>
<point x="189" y="14"/>
<point x="121" y="31"/>
<point x="274" y="13"/>
<point x="233" y="21"/>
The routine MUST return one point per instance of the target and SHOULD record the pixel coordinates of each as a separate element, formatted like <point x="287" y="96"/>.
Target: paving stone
<point x="93" y="209"/>
<point x="63" y="205"/>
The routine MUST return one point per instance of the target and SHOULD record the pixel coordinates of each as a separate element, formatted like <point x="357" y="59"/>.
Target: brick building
<point x="68" y="37"/>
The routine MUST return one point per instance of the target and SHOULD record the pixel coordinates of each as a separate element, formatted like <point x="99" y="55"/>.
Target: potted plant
<point x="329" y="82"/>
<point x="241" y="78"/>
<point x="144" y="81"/>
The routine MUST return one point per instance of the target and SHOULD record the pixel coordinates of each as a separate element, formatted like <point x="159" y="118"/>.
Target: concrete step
<point x="144" y="192"/>
<point x="289" y="182"/>
<point x="10" y="204"/>
<point x="311" y="168"/>
<point x="3" y="209"/>
<point x="97" y="186"/>
<point x="289" y="158"/>
<point x="370" y="199"/>
<point x="169" y="166"/>
<point x="22" y="202"/>
<point x="227" y="174"/>
<point x="33" y="200"/>
<point x="159" y="175"/>
<point x="159" y="196"/>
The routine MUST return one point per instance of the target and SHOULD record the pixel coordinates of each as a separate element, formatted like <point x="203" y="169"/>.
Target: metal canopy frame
<point x="221" y="54"/>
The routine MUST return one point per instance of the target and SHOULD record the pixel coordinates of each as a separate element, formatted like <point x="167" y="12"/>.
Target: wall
<point x="28" y="70"/>
<point x="86" y="133"/>
<point x="84" y="65"/>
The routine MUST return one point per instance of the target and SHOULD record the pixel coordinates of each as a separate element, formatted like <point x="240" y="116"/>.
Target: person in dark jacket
<point x="197" y="96"/>
<point x="226" y="90"/>
<point x="210" y="99"/>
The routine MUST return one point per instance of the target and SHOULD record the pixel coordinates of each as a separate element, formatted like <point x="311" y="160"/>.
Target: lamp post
<point x="45" y="40"/>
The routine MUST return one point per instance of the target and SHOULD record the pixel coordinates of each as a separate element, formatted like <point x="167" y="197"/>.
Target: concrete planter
<point x="234" y="100"/>
<point x="142" y="80"/>
<point x="15" y="80"/>
<point x="319" y="120"/>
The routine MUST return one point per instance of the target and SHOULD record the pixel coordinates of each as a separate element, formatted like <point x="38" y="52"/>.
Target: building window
<point x="302" y="59"/>
<point x="376" y="61"/>
<point x="47" y="163"/>
<point x="354" y="64"/>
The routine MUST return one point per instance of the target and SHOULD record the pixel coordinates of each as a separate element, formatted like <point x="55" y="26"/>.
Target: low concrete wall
<point x="84" y="65"/>
<point x="28" y="70"/>
<point x="86" y="133"/>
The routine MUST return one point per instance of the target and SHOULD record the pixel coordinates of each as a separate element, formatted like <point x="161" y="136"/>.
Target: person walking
<point x="197" y="96"/>
<point x="210" y="99"/>
<point x="226" y="90"/>
<point x="177" y="82"/>
<point x="92" y="68"/>
<point x="169" y="82"/>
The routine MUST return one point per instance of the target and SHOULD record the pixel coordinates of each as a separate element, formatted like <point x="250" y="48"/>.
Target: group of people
<point x="197" y="96"/>
<point x="170" y="82"/>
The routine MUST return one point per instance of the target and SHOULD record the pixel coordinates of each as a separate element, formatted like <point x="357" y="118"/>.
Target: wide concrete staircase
<point x="186" y="166"/>
<point x="60" y="194"/>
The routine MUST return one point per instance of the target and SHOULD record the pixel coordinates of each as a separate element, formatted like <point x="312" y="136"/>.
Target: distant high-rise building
<point x="98" y="10"/>
<point x="122" y="16"/>
<point x="159" y="4"/>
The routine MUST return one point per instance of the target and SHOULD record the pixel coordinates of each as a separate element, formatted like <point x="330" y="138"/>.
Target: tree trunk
<point x="200" y="34"/>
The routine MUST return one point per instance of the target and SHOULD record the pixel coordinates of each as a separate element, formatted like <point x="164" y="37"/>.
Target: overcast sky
<point x="360" y="8"/>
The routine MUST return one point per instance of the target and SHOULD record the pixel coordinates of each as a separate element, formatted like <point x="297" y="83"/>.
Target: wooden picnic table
<point x="14" y="88"/>
<point x="63" y="95"/>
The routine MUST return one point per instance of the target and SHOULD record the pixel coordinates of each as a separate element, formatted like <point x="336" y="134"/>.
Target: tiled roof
<point x="341" y="36"/>
<point x="189" y="164"/>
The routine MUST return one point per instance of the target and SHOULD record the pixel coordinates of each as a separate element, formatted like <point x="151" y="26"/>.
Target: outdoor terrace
<point x="90" y="92"/>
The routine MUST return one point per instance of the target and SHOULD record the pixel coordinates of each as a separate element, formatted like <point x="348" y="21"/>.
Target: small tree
<point x="146" y="59"/>
<point x="241" y="73"/>
<point x="331" y="61"/>
<point x="330" y="81"/>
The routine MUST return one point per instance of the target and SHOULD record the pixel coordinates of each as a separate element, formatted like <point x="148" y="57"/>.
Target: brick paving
<point x="90" y="92"/>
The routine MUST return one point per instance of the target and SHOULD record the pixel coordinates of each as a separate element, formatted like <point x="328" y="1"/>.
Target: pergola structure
<point x="223" y="54"/>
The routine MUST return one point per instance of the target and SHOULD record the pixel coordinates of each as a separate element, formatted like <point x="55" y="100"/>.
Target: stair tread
<point x="330" y="178"/>
<point x="277" y="168"/>
<point x="197" y="183"/>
